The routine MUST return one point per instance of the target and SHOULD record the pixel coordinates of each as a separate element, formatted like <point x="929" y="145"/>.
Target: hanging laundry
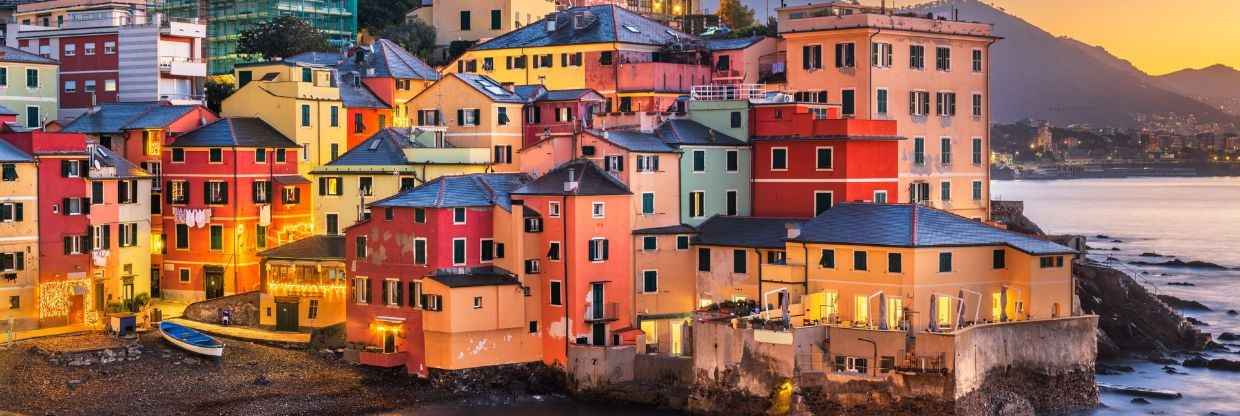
<point x="264" y="215"/>
<point x="99" y="257"/>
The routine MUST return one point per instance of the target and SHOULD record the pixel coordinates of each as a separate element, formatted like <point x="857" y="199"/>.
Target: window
<point x="827" y="259"/>
<point x="127" y="191"/>
<point x="647" y="203"/>
<point x="977" y="60"/>
<point x="458" y="251"/>
<point x="182" y="234"/>
<point x="216" y="155"/>
<point x="361" y="290"/>
<point x="977" y="190"/>
<point x="335" y="116"/>
<point x="477" y="302"/>
<point x="945" y="191"/>
<point x="261" y="191"/>
<point x="845" y="55"/>
<point x="465" y="20"/>
<point x="32" y="78"/>
<point x="860" y="261"/>
<point x="682" y="242"/>
<point x="613" y="163"/>
<point x="332" y="222"/>
<point x="503" y="154"/>
<point x="850" y="102"/>
<point x="109" y="47"/>
<point x="553" y="209"/>
<point x="977" y="151"/>
<point x="697" y="204"/>
<point x="826" y="157"/>
<point x="501" y="116"/>
<point x="178" y="155"/>
<point x="359" y="124"/>
<point x="945" y="151"/>
<point x="260" y="156"/>
<point x="359" y="249"/>
<point x="260" y="236"/>
<point x="4" y="77"/>
<point x="880" y="197"/>
<point x="648" y="163"/>
<point x="811" y="57"/>
<point x="70" y="86"/>
<point x="468" y="116"/>
<point x="12" y="212"/>
<point x="733" y="161"/>
<point x="943" y="58"/>
<point x="533" y="327"/>
<point x="281" y="155"/>
<point x="919" y="150"/>
<point x="650" y="243"/>
<point x="894" y="262"/>
<point x="365" y="185"/>
<point x="730" y="202"/>
<point x="313" y="312"/>
<point x="596" y="210"/>
<point x="33" y="119"/>
<point x="880" y="55"/>
<point x="96" y="193"/>
<point x="823" y="201"/>
<point x="779" y="158"/>
<point x="388" y="213"/>
<point x="703" y="260"/>
<point x="217" y="237"/>
<point x="183" y="275"/>
<point x="598" y="249"/>
<point x="945" y="103"/>
<point x="556" y="293"/>
<point x="699" y="160"/>
<point x="305" y="115"/>
<point x="330" y="186"/>
<point x="739" y="260"/>
<point x="419" y="215"/>
<point x="553" y="251"/>
<point x="945" y="262"/>
<point x="977" y="105"/>
<point x="736" y="120"/>
<point x="419" y="251"/>
<point x="881" y="99"/>
<point x="533" y="225"/>
<point x="70" y="49"/>
<point x="650" y="281"/>
<point x="109" y="85"/>
<point x="415" y="295"/>
<point x="999" y="259"/>
<point x="178" y="192"/>
<point x="215" y="192"/>
<point x="486" y="250"/>
<point x="918" y="103"/>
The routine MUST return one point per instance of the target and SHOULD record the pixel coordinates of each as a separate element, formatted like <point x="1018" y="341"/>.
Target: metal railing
<point x="721" y="92"/>
<point x="608" y="311"/>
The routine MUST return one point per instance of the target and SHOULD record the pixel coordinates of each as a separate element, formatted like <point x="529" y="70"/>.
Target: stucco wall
<point x="982" y="348"/>
<point x="591" y="366"/>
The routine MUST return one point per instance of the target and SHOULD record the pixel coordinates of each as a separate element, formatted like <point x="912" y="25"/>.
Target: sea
<point x="1184" y="218"/>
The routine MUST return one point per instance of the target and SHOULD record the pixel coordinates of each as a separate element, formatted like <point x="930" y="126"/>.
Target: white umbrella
<point x="1003" y="304"/>
<point x="934" y="314"/>
<point x="882" y="311"/>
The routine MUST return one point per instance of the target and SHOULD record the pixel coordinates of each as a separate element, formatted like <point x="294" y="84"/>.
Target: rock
<point x="262" y="380"/>
<point x="1179" y="283"/>
<point x="1158" y="358"/>
<point x="1116" y="241"/>
<point x="1139" y="400"/>
<point x="1227" y="336"/>
<point x="1102" y="237"/>
<point x="1221" y="364"/>
<point x="1195" y="321"/>
<point x="1112" y="370"/>
<point x="1131" y="320"/>
<point x="1182" y="304"/>
<point x="1114" y="248"/>
<point x="1177" y="263"/>
<point x="1151" y="254"/>
<point x="1232" y="312"/>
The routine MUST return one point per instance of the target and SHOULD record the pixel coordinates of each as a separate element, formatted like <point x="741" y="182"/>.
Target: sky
<point x="1157" y="36"/>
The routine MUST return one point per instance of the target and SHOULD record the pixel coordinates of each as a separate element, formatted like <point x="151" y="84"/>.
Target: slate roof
<point x="680" y="132"/>
<point x="611" y="24"/>
<point x="732" y="44"/>
<point x="908" y="225"/>
<point x="489" y="87"/>
<point x="454" y="191"/>
<point x="389" y="150"/>
<point x="316" y="247"/>
<point x="113" y="118"/>
<point x="235" y="131"/>
<point x="355" y="95"/>
<point x="8" y="54"/>
<point x="315" y="58"/>
<point x="755" y="232"/>
<point x="5" y="111"/>
<point x="475" y="276"/>
<point x="670" y="229"/>
<point x="391" y="60"/>
<point x="530" y="92"/>
<point x="103" y="157"/>
<point x="634" y="141"/>
<point x="590" y="181"/>
<point x="8" y="153"/>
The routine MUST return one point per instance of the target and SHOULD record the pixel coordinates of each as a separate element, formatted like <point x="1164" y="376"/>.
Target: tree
<point x="282" y="37"/>
<point x="218" y="88"/>
<point x="376" y="16"/>
<point x="735" y="15"/>
<point x="417" y="37"/>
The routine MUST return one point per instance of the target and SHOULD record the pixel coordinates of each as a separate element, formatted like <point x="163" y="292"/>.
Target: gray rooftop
<point x="114" y="118"/>
<point x="472" y="190"/>
<point x="679" y="132"/>
<point x="317" y="247"/>
<point x="753" y="232"/>
<point x="11" y="154"/>
<point x="235" y="131"/>
<point x="8" y="54"/>
<point x="590" y="181"/>
<point x="601" y="24"/>
<point x="634" y="141"/>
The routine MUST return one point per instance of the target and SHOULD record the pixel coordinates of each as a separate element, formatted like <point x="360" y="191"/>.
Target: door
<point x="596" y="300"/>
<point x="389" y="342"/>
<point x="286" y="316"/>
<point x="678" y="346"/>
<point x="77" y="309"/>
<point x="215" y="283"/>
<point x="333" y="224"/>
<point x="155" y="282"/>
<point x="598" y="334"/>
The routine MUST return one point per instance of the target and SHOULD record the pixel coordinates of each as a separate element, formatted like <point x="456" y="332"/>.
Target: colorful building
<point x="427" y="284"/>
<point x="390" y="161"/>
<point x="729" y="253"/>
<point x="477" y="112"/>
<point x="33" y="97"/>
<point x="19" y="224"/>
<point x="914" y="70"/>
<point x="638" y="64"/>
<point x="714" y="165"/>
<point x="120" y="221"/>
<point x="557" y="112"/>
<point x="462" y="22"/>
<point x="111" y="51"/>
<point x="809" y="159"/>
<point x="303" y="284"/>
<point x="231" y="190"/>
<point x="751" y="60"/>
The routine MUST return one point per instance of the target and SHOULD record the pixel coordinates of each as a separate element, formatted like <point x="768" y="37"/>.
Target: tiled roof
<point x="391" y="60"/>
<point x="670" y="229"/>
<point x="317" y="247"/>
<point x="290" y="179"/>
<point x="103" y="157"/>
<point x="590" y="181"/>
<point x="679" y="132"/>
<point x="235" y="131"/>
<point x="491" y="88"/>
<point x="315" y="58"/>
<point x="475" y="276"/>
<point x="606" y="23"/>
<point x="8" y="54"/>
<point x="530" y="92"/>
<point x="732" y="44"/>
<point x="472" y="190"/>
<point x="113" y="118"/>
<point x="5" y="111"/>
<point x="634" y="141"/>
<point x="355" y="95"/>
<point x="908" y="225"/>
<point x="756" y="232"/>
<point x="8" y="153"/>
<point x="384" y="148"/>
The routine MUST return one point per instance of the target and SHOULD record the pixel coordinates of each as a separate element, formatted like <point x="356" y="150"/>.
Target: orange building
<point x="231" y="190"/>
<point x="477" y="112"/>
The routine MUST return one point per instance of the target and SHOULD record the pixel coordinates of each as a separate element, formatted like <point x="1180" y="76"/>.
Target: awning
<point x="290" y="180"/>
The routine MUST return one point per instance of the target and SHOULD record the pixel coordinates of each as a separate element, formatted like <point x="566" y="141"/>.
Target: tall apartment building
<point x="929" y="75"/>
<point x="113" y="51"/>
<point x="226" y="19"/>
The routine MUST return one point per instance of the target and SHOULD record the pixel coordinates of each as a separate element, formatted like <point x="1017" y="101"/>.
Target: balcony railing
<point x="608" y="311"/>
<point x="720" y="92"/>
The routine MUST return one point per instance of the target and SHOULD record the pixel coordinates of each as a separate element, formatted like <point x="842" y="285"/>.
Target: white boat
<point x="191" y="340"/>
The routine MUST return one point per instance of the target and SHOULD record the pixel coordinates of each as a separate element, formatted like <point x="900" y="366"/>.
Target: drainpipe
<point x="237" y="202"/>
<point x="564" y="263"/>
<point x="805" y="268"/>
<point x="986" y="126"/>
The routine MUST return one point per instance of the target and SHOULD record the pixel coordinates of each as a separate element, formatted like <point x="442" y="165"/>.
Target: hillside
<point x="1217" y="85"/>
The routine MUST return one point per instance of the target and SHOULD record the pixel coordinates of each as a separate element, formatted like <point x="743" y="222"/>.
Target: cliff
<point x="1131" y="320"/>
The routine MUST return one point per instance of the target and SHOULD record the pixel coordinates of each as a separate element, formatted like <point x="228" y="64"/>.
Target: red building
<point x="557" y="112"/>
<point x="443" y="226"/>
<point x="809" y="158"/>
<point x="231" y="190"/>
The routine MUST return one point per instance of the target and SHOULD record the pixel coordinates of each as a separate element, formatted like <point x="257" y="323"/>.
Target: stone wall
<point x="591" y="367"/>
<point x="734" y="356"/>
<point x="653" y="368"/>
<point x="244" y="309"/>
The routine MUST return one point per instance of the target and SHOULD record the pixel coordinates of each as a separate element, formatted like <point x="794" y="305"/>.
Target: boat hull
<point x="208" y="350"/>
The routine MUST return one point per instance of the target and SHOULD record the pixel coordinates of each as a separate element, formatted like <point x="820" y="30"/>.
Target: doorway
<point x="215" y="282"/>
<point x="286" y="316"/>
<point x="598" y="334"/>
<point x="155" y="282"/>
<point x="389" y="342"/>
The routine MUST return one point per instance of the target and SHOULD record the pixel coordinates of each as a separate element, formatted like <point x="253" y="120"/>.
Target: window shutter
<point x="107" y="236"/>
<point x="499" y="250"/>
<point x="86" y="205"/>
<point x="912" y="102"/>
<point x="641" y="164"/>
<point x="19" y="261"/>
<point x="477" y="116"/>
<point x="839" y="55"/>
<point x="370" y="294"/>
<point x="620" y="163"/>
<point x="254" y="191"/>
<point x="68" y="244"/>
<point x="64" y="206"/>
<point x="805" y="57"/>
<point x="168" y="193"/>
<point x="460" y="117"/>
<point x="224" y="192"/>
<point x="605" y="250"/>
<point x="64" y="168"/>
<point x="322" y="186"/>
<point x="593" y="251"/>
<point x="656" y="164"/>
<point x="17" y="211"/>
<point x="206" y="192"/>
<point x="385" y="291"/>
<point x="508" y="154"/>
<point x="400" y="294"/>
<point x="421" y="119"/>
<point x="90" y="238"/>
<point x="83" y="166"/>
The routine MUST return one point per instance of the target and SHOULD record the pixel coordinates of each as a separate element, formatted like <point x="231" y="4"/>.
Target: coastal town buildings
<point x="468" y="22"/>
<point x="476" y="112"/>
<point x="303" y="284"/>
<point x="716" y="159"/>
<point x="928" y="75"/>
<point x="19" y="224"/>
<point x="550" y="113"/>
<point x="749" y="60"/>
<point x="120" y="229"/>
<point x="31" y="99"/>
<point x="113" y="52"/>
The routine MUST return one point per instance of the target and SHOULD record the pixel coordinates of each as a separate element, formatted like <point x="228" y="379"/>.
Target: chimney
<point x="794" y="229"/>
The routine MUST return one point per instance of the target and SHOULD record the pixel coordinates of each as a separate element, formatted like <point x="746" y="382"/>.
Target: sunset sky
<point x="1157" y="36"/>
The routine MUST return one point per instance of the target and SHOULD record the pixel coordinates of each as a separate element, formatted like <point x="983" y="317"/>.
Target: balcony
<point x="449" y="155"/>
<point x="607" y="312"/>
<point x="783" y="272"/>
<point x="538" y="132"/>
<point x="660" y="76"/>
<point x="724" y="92"/>
<point x="182" y="66"/>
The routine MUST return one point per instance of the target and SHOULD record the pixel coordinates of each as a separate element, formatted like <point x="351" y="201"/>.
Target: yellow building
<point x="303" y="284"/>
<point x="636" y="63"/>
<point x="300" y="100"/>
<point x="476" y="112"/>
<point x="479" y="20"/>
<point x="888" y="267"/>
<point x="731" y="252"/>
<point x="19" y="249"/>
<point x="392" y="160"/>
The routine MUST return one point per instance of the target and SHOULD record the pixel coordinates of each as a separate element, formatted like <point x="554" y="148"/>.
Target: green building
<point x="226" y="19"/>
<point x="715" y="172"/>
